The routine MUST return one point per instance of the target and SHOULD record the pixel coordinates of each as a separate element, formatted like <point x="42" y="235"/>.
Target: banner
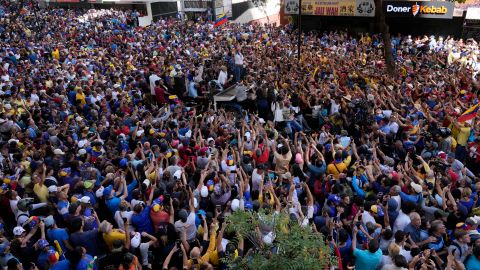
<point x="291" y="7"/>
<point x="329" y="8"/>
<point x="473" y="14"/>
<point x="365" y="8"/>
<point x="419" y="9"/>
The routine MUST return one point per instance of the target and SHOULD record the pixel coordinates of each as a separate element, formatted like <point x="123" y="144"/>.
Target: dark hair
<point x="373" y="245"/>
<point x="400" y="261"/>
<point x="76" y="224"/>
<point x="342" y="236"/>
<point x="13" y="263"/>
<point x="476" y="251"/>
<point x="387" y="234"/>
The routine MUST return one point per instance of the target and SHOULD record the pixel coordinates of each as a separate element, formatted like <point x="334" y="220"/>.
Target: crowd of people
<point x="113" y="157"/>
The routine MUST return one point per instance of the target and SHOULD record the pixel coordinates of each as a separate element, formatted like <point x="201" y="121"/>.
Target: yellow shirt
<point x="41" y="191"/>
<point x="206" y="257"/>
<point x="81" y="98"/>
<point x="463" y="135"/>
<point x="336" y="169"/>
<point x="56" y="54"/>
<point x="110" y="237"/>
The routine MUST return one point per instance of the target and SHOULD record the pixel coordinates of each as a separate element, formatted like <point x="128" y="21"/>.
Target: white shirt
<point x="401" y="222"/>
<point x="335" y="107"/>
<point x="238" y="59"/>
<point x="119" y="215"/>
<point x="367" y="217"/>
<point x="393" y="127"/>
<point x="153" y="78"/>
<point x="189" y="226"/>
<point x="256" y="180"/>
<point x="222" y="77"/>
<point x="34" y="98"/>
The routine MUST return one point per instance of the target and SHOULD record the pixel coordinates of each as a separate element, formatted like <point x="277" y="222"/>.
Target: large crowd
<point x="113" y="157"/>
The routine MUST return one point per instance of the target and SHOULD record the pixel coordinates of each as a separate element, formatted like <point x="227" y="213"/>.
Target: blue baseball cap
<point x="107" y="190"/>
<point x="42" y="243"/>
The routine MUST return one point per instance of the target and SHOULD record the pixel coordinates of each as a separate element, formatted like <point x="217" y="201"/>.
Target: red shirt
<point x="160" y="95"/>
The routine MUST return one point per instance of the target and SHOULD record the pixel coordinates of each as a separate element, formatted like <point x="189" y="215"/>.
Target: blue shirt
<point x="58" y="234"/>
<point x="473" y="263"/>
<point x="192" y="91"/>
<point x="411" y="198"/>
<point x="43" y="258"/>
<point x="365" y="260"/>
<point x="88" y="240"/>
<point x="113" y="204"/>
<point x="142" y="221"/>
<point x="61" y="265"/>
<point x="83" y="263"/>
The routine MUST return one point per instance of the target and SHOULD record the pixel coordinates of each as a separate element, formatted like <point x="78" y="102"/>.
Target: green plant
<point x="294" y="247"/>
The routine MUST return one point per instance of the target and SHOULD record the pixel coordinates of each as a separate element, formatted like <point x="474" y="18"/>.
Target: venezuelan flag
<point x="221" y="19"/>
<point x="469" y="114"/>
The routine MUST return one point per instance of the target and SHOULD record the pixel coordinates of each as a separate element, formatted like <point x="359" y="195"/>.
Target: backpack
<point x="457" y="247"/>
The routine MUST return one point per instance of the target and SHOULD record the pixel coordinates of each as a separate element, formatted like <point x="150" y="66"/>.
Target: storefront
<point x="403" y="17"/>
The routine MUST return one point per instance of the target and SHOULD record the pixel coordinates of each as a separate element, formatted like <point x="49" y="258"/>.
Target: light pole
<point x="299" y="44"/>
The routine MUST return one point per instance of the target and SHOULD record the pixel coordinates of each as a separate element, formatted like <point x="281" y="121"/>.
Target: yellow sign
<point x="329" y="8"/>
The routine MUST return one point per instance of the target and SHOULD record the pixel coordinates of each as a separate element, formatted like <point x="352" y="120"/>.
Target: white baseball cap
<point x="52" y="188"/>
<point x="17" y="231"/>
<point x="58" y="152"/>
<point x="85" y="199"/>
<point x="99" y="192"/>
<point x="235" y="205"/>
<point x="204" y="191"/>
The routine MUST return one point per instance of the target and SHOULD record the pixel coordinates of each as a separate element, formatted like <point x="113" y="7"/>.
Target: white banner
<point x="473" y="14"/>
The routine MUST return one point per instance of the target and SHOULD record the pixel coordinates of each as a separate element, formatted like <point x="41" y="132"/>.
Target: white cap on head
<point x="52" y="188"/>
<point x="17" y="231"/>
<point x="99" y="192"/>
<point x="204" y="191"/>
<point x="58" y="152"/>
<point x="235" y="205"/>
<point x="85" y="199"/>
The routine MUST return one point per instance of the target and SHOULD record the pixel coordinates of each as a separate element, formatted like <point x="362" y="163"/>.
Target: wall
<point x="415" y="26"/>
<point x="260" y="11"/>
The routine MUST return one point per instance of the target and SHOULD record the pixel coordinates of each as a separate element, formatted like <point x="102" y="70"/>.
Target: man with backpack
<point x="459" y="247"/>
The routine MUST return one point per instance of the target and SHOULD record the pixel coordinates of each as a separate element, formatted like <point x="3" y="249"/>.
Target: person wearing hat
<point x="5" y="254"/>
<point x="110" y="195"/>
<point x="158" y="214"/>
<point x="54" y="233"/>
<point x="416" y="193"/>
<point x="45" y="249"/>
<point x="57" y="263"/>
<point x="141" y="215"/>
<point x="88" y="186"/>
